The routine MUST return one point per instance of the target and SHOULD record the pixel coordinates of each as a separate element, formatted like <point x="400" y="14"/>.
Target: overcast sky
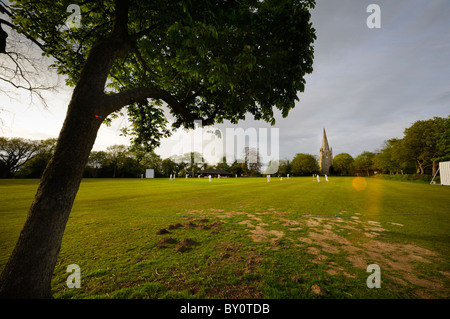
<point x="368" y="85"/>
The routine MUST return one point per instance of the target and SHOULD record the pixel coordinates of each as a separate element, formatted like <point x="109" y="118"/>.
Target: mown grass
<point x="112" y="236"/>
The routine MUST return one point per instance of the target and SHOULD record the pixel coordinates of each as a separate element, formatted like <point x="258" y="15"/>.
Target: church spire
<point x="325" y="145"/>
<point x="326" y="156"/>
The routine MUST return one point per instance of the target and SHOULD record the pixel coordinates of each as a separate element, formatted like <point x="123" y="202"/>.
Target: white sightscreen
<point x="444" y="170"/>
<point x="149" y="173"/>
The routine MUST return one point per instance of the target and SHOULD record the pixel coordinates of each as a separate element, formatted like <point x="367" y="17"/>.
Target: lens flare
<point x="359" y="183"/>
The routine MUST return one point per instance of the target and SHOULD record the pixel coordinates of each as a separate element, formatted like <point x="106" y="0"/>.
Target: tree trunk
<point x="421" y="168"/>
<point x="30" y="268"/>
<point x="434" y="168"/>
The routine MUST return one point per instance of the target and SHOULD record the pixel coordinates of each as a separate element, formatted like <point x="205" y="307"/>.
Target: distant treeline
<point x="423" y="146"/>
<point x="24" y="158"/>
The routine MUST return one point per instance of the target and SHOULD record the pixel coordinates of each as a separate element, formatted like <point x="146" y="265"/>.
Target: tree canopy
<point x="421" y="142"/>
<point x="424" y="144"/>
<point x="364" y="162"/>
<point x="304" y="164"/>
<point x="343" y="164"/>
<point x="16" y="152"/>
<point x="210" y="60"/>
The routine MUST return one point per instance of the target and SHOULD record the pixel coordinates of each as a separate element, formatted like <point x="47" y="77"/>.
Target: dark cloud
<point x="368" y="85"/>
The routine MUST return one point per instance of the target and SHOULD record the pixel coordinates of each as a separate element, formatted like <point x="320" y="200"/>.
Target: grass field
<point x="246" y="238"/>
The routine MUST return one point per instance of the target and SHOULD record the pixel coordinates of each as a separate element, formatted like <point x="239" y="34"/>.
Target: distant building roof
<point x="214" y="172"/>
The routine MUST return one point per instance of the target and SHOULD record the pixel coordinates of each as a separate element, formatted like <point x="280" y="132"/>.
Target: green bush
<point x="410" y="177"/>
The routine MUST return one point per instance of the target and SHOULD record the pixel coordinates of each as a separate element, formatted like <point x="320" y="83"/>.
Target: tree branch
<point x="142" y="61"/>
<point x="9" y="24"/>
<point x="116" y="101"/>
<point x="211" y="119"/>
<point x="120" y="21"/>
<point x="20" y="76"/>
<point x="146" y="31"/>
<point x="189" y="98"/>
<point x="5" y="9"/>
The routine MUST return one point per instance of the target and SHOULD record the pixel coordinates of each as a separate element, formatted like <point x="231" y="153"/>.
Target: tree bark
<point x="434" y="168"/>
<point x="30" y="268"/>
<point x="420" y="168"/>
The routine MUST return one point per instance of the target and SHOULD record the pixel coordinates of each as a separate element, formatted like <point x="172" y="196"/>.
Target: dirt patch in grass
<point x="397" y="261"/>
<point x="214" y="227"/>
<point x="229" y="214"/>
<point x="317" y="290"/>
<point x="336" y="269"/>
<point x="184" y="245"/>
<point x="182" y="248"/>
<point x="260" y="234"/>
<point x="201" y="220"/>
<point x="162" y="231"/>
<point x="320" y="236"/>
<point x="236" y="292"/>
<point x="187" y="242"/>
<point x="288" y="222"/>
<point x="233" y="252"/>
<point x="167" y="240"/>
<point x="354" y="240"/>
<point x="190" y="225"/>
<point x="177" y="225"/>
<point x="247" y="222"/>
<point x="397" y="224"/>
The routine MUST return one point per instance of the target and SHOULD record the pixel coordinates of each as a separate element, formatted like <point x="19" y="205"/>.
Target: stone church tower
<point x="326" y="156"/>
